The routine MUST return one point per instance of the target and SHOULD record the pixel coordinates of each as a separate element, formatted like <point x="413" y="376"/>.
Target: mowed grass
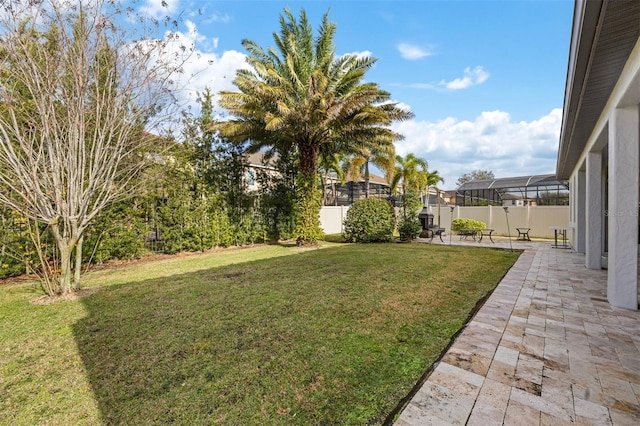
<point x="268" y="335"/>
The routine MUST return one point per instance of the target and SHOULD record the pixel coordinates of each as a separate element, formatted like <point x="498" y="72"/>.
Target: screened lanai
<point x="537" y="190"/>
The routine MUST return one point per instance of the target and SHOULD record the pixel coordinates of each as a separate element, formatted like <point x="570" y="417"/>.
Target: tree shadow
<point x="166" y="350"/>
<point x="203" y="347"/>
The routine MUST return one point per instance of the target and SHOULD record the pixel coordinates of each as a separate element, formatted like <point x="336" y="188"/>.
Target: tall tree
<point x="75" y="95"/>
<point x="300" y="96"/>
<point x="433" y="178"/>
<point x="357" y="164"/>
<point x="475" y="175"/>
<point x="411" y="174"/>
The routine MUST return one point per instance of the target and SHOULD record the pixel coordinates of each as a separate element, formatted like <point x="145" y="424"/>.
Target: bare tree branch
<point x="76" y="95"/>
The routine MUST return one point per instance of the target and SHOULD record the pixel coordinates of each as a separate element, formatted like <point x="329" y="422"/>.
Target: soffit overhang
<point x="603" y="35"/>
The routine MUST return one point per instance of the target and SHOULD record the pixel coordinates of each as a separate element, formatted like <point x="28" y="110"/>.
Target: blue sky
<point x="485" y="79"/>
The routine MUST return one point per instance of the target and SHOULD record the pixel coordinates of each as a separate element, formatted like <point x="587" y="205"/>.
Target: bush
<point x="369" y="220"/>
<point x="409" y="229"/>
<point x="118" y="232"/>
<point x="458" y="224"/>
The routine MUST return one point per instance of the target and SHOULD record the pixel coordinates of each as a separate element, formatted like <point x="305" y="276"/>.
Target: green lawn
<point x="267" y="335"/>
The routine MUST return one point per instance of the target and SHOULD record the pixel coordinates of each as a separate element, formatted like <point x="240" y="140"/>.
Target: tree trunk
<point x="366" y="179"/>
<point x="427" y="200"/>
<point x="308" y="230"/>
<point x="78" y="268"/>
<point x="65" y="249"/>
<point x="64" y="280"/>
<point x="325" y="195"/>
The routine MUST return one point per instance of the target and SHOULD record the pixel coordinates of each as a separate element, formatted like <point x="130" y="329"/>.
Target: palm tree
<point x="410" y="172"/>
<point x="357" y="164"/>
<point x="433" y="178"/>
<point x="301" y="97"/>
<point x="331" y="162"/>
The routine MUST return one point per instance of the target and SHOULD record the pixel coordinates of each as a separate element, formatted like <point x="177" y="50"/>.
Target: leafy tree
<point x="278" y="196"/>
<point x="300" y="97"/>
<point x="228" y="176"/>
<point x="75" y="95"/>
<point x="475" y="175"/>
<point x="201" y="140"/>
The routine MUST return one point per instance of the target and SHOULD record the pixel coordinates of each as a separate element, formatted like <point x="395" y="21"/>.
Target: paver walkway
<point x="545" y="349"/>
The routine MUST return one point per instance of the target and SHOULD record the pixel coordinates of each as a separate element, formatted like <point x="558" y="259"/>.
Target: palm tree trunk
<point x="309" y="200"/>
<point x="325" y="196"/>
<point x="366" y="179"/>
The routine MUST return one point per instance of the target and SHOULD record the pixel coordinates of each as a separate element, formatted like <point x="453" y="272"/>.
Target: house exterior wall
<point x="616" y="133"/>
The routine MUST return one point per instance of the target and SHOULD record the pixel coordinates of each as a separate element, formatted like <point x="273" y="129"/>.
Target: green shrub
<point x="458" y="224"/>
<point x="16" y="247"/>
<point x="409" y="229"/>
<point x="118" y="232"/>
<point x="369" y="220"/>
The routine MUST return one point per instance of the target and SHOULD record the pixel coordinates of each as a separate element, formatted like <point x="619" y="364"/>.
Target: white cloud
<point x="208" y="17"/>
<point x="412" y="52"/>
<point x="207" y="69"/>
<point x="478" y="75"/>
<point x="360" y="55"/>
<point x="192" y="33"/>
<point x="403" y="106"/>
<point x="214" y="17"/>
<point x="159" y="8"/>
<point x="200" y="68"/>
<point x="491" y="142"/>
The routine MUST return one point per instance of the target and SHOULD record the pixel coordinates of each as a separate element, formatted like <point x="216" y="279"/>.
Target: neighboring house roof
<point x="373" y="178"/>
<point x="604" y="34"/>
<point x="512" y="182"/>
<point x="260" y="159"/>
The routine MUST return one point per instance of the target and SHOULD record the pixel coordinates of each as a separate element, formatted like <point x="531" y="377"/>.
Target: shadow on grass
<point x="299" y="339"/>
<point x="229" y="344"/>
<point x="169" y="349"/>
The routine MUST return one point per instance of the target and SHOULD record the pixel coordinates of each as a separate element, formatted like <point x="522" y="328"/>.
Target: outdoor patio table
<point x="438" y="232"/>
<point x="468" y="232"/>
<point x="523" y="234"/>
<point x="487" y="232"/>
<point x="562" y="232"/>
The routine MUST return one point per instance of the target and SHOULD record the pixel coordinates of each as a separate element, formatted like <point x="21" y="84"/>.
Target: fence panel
<point x="332" y="217"/>
<point x="545" y="217"/>
<point x="538" y="218"/>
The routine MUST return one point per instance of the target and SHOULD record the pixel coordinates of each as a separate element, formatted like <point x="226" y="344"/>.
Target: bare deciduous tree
<point x="76" y="94"/>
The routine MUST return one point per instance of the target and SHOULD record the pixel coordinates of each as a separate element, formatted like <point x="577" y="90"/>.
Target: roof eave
<point x="583" y="33"/>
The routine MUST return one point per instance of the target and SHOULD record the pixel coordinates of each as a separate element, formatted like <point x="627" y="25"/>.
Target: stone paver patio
<point x="545" y="349"/>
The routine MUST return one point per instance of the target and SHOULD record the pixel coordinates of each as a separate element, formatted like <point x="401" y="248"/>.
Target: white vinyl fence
<point x="332" y="217"/>
<point x="538" y="218"/>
